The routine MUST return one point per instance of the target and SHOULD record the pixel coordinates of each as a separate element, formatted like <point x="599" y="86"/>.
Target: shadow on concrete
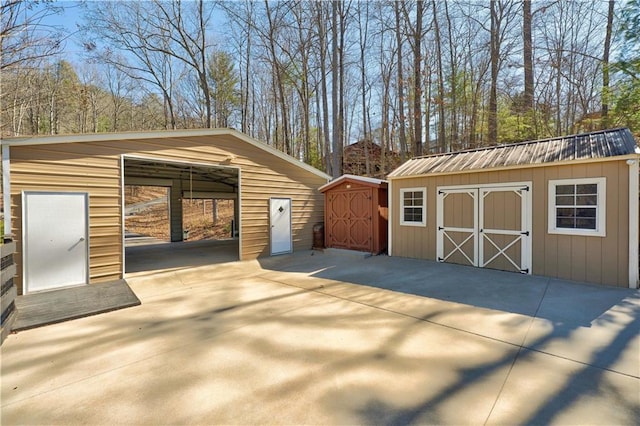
<point x="165" y="255"/>
<point x="483" y="288"/>
<point x="270" y="346"/>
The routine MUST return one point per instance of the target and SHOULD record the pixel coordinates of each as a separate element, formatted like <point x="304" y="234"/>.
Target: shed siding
<point x="601" y="260"/>
<point x="94" y="167"/>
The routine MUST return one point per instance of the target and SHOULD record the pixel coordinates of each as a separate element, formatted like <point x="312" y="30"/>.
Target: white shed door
<point x="280" y="212"/>
<point x="55" y="235"/>
<point x="486" y="226"/>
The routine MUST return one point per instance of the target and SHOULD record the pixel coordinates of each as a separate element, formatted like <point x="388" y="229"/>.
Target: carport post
<point x="6" y="190"/>
<point x="175" y="211"/>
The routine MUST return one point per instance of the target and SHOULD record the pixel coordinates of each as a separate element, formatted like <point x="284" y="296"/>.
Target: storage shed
<point x="356" y="214"/>
<point x="65" y="195"/>
<point x="565" y="207"/>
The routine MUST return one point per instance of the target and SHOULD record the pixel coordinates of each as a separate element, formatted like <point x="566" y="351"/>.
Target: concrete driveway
<point x="313" y="338"/>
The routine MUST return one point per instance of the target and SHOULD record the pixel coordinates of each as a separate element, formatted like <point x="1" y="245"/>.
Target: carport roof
<point x="586" y="146"/>
<point x="103" y="137"/>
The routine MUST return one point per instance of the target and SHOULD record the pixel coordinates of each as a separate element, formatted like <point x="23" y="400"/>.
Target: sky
<point x="71" y="17"/>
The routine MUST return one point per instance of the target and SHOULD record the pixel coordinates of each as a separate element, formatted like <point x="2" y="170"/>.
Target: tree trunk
<point x="527" y="55"/>
<point x="444" y="147"/>
<point x="322" y="36"/>
<point x="605" y="66"/>
<point x="493" y="90"/>
<point x="335" y="87"/>
<point x="417" y="80"/>
<point x="401" y="117"/>
<point x="454" y="75"/>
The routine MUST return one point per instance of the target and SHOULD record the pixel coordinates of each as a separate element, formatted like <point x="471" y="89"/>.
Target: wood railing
<point x="8" y="290"/>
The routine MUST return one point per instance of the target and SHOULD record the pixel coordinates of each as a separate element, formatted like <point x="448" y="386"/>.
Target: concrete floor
<point x="144" y="253"/>
<point x="312" y="338"/>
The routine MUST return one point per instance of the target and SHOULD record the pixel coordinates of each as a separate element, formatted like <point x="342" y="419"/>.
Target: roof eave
<point x="107" y="137"/>
<point x="520" y="166"/>
<point x="373" y="182"/>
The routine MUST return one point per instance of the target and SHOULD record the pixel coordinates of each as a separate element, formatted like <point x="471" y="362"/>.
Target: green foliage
<point x="224" y="86"/>
<point x="630" y="29"/>
<point x="627" y="105"/>
<point x="315" y="157"/>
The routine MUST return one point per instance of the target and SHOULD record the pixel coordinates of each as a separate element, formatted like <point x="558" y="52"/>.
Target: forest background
<point x="311" y="77"/>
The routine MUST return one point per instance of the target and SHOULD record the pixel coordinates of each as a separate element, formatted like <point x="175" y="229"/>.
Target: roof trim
<point x="522" y="166"/>
<point x="600" y="144"/>
<point x="369" y="181"/>
<point x="107" y="137"/>
<point x="516" y="144"/>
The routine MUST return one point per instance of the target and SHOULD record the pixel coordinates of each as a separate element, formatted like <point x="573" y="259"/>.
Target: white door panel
<point x="280" y="218"/>
<point x="494" y="233"/>
<point x="55" y="236"/>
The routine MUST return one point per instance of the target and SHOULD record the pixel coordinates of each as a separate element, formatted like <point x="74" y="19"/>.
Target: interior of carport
<point x="184" y="181"/>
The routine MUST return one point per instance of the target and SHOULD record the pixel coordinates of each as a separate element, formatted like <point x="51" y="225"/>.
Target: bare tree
<point x="605" y="66"/>
<point x="400" y="85"/>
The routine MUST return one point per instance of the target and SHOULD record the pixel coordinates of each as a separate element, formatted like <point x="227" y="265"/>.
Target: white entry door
<point x="55" y="240"/>
<point x="280" y="214"/>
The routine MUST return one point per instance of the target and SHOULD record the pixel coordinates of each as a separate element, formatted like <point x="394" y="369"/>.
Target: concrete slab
<point x="343" y="252"/>
<point x="317" y="339"/>
<point x="185" y="254"/>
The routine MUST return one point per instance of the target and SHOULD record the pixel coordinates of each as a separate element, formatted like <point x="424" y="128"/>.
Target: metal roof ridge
<point x="522" y="143"/>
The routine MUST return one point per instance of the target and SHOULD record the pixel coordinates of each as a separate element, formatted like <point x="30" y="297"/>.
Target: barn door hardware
<point x="525" y="233"/>
<point x="440" y="259"/>
<point x="524" y="271"/>
<point x="440" y="228"/>
<point x="526" y="188"/>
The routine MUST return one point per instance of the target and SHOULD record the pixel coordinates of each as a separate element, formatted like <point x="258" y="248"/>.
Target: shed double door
<point x="349" y="220"/>
<point x="486" y="226"/>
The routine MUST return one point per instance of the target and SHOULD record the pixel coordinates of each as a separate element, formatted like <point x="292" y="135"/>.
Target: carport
<point x="184" y="181"/>
<point x="77" y="182"/>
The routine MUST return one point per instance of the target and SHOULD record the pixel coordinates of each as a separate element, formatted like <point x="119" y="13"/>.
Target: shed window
<point x="577" y="206"/>
<point x="413" y="206"/>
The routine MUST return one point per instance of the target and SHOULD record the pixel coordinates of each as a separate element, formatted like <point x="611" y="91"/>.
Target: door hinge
<point x="526" y="188"/>
<point x="440" y="259"/>
<point x="525" y="233"/>
<point x="440" y="228"/>
<point x="524" y="271"/>
<point x="440" y="192"/>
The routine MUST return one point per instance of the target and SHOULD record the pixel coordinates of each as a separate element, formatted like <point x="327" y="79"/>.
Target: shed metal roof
<point x="601" y="144"/>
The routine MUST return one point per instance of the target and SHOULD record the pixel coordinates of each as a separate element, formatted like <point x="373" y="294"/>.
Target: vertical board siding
<point x="600" y="260"/>
<point x="94" y="167"/>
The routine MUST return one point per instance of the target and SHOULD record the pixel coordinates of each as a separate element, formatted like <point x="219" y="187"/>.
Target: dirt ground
<point x="197" y="215"/>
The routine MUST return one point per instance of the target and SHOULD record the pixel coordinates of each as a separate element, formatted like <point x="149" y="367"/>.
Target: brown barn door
<point x="349" y="221"/>
<point x="457" y="221"/>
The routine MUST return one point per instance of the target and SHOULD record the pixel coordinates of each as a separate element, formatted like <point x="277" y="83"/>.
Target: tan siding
<point x="94" y="167"/>
<point x="592" y="259"/>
